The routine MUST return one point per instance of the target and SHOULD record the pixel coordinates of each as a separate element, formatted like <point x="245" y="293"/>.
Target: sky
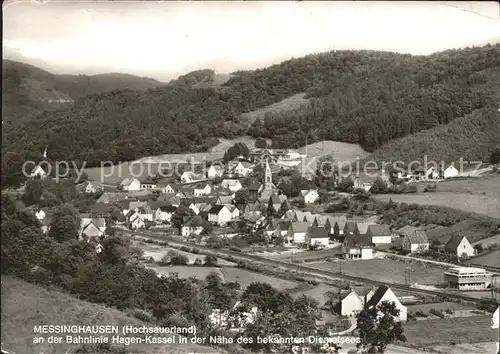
<point x="166" y="39"/>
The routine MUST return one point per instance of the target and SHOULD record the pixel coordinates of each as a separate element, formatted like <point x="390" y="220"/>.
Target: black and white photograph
<point x="250" y="177"/>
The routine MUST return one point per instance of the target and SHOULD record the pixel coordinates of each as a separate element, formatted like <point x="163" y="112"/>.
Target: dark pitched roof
<point x="101" y="208"/>
<point x="417" y="237"/>
<point x="254" y="186"/>
<point x="453" y="243"/>
<point x="300" y="226"/>
<point x="168" y="208"/>
<point x="378" y="230"/>
<point x="275" y="199"/>
<point x="216" y="209"/>
<point x="350" y="226"/>
<point x="194" y="221"/>
<point x="379" y="293"/>
<point x="316" y="232"/>
<point x="284" y="225"/>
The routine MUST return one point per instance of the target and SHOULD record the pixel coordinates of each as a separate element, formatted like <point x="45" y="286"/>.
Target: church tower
<point x="268" y="177"/>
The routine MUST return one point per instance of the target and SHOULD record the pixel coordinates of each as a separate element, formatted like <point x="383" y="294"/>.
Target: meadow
<point x="385" y="270"/>
<point x="489" y="259"/>
<point x="480" y="204"/>
<point x="26" y="305"/>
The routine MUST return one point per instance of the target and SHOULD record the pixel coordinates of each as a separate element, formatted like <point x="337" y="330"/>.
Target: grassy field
<point x="486" y="184"/>
<point x="186" y="271"/>
<point x="481" y="204"/>
<point x="386" y="270"/>
<point x="26" y="305"/>
<point x="489" y="259"/>
<point x="340" y="151"/>
<point x="286" y="104"/>
<point x="426" y="334"/>
<point x="493" y="240"/>
<point x="317" y="293"/>
<point x="425" y="308"/>
<point x="157" y="252"/>
<point x="245" y="278"/>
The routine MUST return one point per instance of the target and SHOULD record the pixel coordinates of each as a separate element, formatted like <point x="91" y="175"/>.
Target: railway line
<point x="307" y="270"/>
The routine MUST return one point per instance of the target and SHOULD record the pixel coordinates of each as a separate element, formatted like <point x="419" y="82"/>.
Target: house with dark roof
<point x="415" y="241"/>
<point x="219" y="215"/>
<point x="379" y="234"/>
<point x="253" y="190"/>
<point x="297" y="232"/>
<point x="339" y="227"/>
<point x="193" y="226"/>
<point x="111" y="197"/>
<point x="130" y="184"/>
<point x="163" y="212"/>
<point x="459" y="246"/>
<point x="357" y="246"/>
<point x="101" y="210"/>
<point x="383" y="294"/>
<point x="276" y="202"/>
<point x="317" y="236"/>
<point x="91" y="228"/>
<point x="349" y="228"/>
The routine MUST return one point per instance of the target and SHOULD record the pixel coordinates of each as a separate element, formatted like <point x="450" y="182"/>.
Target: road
<point x="304" y="270"/>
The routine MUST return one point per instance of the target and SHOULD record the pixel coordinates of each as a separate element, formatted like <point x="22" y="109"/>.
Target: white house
<point x="379" y="234"/>
<point x="350" y="304"/>
<point x="357" y="246"/>
<point x="131" y="184"/>
<point x="243" y="169"/>
<point x="89" y="187"/>
<point x="317" y="236"/>
<point x="415" y="241"/>
<point x="193" y="226"/>
<point x="164" y="213"/>
<point x="431" y="173"/>
<point x="219" y="215"/>
<point x="450" y="172"/>
<point x="460" y="246"/>
<point x="190" y="176"/>
<point x="92" y="227"/>
<point x="136" y="221"/>
<point x="310" y="196"/>
<point x="235" y="212"/>
<point x="233" y="185"/>
<point x="383" y="294"/>
<point x="297" y="232"/>
<point x="215" y="171"/>
<point x="201" y="190"/>
<point x="40" y="215"/>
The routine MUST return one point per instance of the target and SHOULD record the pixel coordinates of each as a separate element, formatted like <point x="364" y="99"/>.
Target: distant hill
<point x="28" y="90"/>
<point x="361" y="97"/>
<point x="205" y="78"/>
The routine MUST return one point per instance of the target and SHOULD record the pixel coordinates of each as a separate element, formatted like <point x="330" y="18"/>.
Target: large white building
<point x="465" y="278"/>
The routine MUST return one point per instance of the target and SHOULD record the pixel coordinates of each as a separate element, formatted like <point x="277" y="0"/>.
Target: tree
<point x="178" y="217"/>
<point x="242" y="196"/>
<point x="33" y="191"/>
<point x="378" y="328"/>
<point x="323" y="196"/>
<point x="210" y="261"/>
<point x="260" y="143"/>
<point x="379" y="186"/>
<point x="65" y="224"/>
<point x="346" y="185"/>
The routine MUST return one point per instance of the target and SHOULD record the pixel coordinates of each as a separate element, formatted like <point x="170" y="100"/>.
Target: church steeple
<point x="268" y="177"/>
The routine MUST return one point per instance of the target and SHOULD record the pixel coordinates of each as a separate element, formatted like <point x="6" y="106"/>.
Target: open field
<point x="338" y="150"/>
<point x="157" y="252"/>
<point x="26" y="305"/>
<point x="481" y="204"/>
<point x="245" y="278"/>
<point x="186" y="271"/>
<point x="317" y="293"/>
<point x="431" y="333"/>
<point x="489" y="259"/>
<point x="488" y="184"/>
<point x="425" y="308"/>
<point x="486" y="242"/>
<point x="386" y="270"/>
<point x="286" y="104"/>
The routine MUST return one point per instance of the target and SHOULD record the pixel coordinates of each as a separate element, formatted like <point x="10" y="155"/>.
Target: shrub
<point x="210" y="261"/>
<point x="180" y="259"/>
<point x="198" y="262"/>
<point x="437" y="313"/>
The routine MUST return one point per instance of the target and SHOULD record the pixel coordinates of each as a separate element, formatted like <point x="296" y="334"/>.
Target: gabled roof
<point x="316" y="232"/>
<point x="309" y="217"/>
<point x="230" y="182"/>
<point x="379" y="294"/>
<point x="102" y="208"/>
<point x="300" y="226"/>
<point x="275" y="199"/>
<point x="112" y="197"/>
<point x="194" y="221"/>
<point x="216" y="209"/>
<point x="341" y="221"/>
<point x="284" y="225"/>
<point x="454" y="242"/>
<point x="358" y="240"/>
<point x="375" y="229"/>
<point x="145" y="209"/>
<point x="128" y="181"/>
<point x="417" y="237"/>
<point x="350" y="226"/>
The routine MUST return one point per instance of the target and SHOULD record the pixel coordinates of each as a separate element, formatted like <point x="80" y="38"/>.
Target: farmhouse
<point x="202" y="189"/>
<point x="465" y="278"/>
<point x="92" y="227"/>
<point x="233" y="185"/>
<point x="415" y="241"/>
<point x="108" y="197"/>
<point x="460" y="246"/>
<point x="243" y="168"/>
<point x="349" y="228"/>
<point x="148" y="184"/>
<point x="135" y="220"/>
<point x="164" y="213"/>
<point x="193" y="226"/>
<point x="215" y="171"/>
<point x="310" y="196"/>
<point x="219" y="215"/>
<point x="379" y="234"/>
<point x="297" y="232"/>
<point x="357" y="247"/>
<point x="190" y="177"/>
<point x="130" y="184"/>
<point x="316" y="237"/>
<point x="89" y="187"/>
<point x="40" y="215"/>
<point x="384" y="293"/>
<point x="450" y="172"/>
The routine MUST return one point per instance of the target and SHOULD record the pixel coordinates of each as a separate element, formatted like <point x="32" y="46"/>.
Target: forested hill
<point x="364" y="97"/>
<point x="28" y="90"/>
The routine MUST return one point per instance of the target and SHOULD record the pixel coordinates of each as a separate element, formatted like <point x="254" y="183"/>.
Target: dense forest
<point x="364" y="97"/>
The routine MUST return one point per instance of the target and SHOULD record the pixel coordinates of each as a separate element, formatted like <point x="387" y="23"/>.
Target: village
<point x="240" y="208"/>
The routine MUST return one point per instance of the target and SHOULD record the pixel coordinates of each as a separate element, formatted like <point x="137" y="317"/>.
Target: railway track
<point x="308" y="270"/>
